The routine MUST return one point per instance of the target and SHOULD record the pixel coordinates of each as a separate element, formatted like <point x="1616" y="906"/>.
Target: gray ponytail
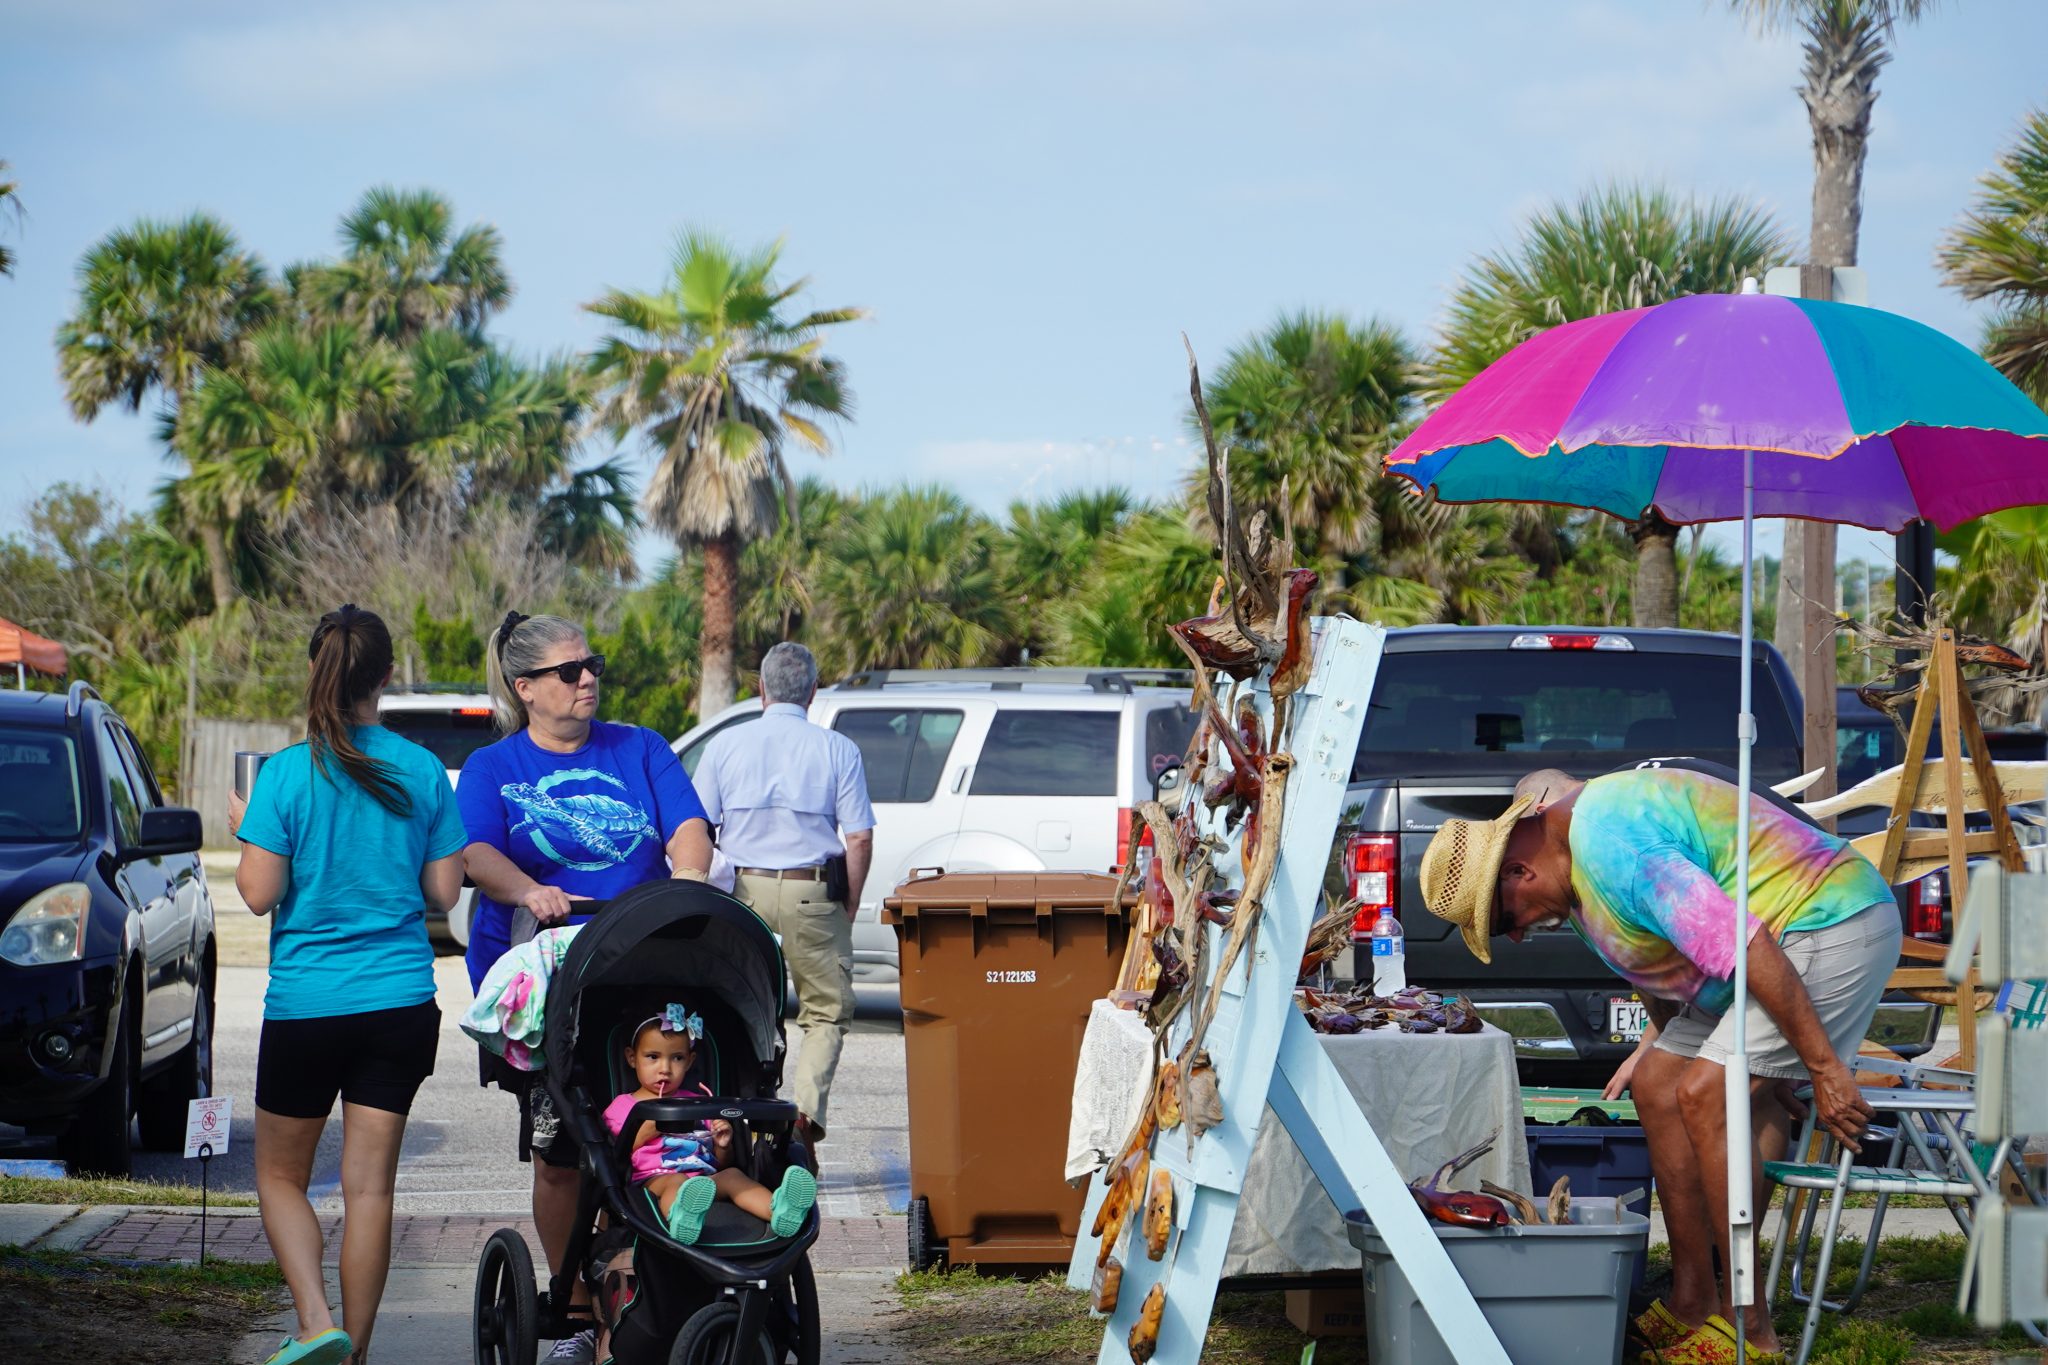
<point x="519" y="645"/>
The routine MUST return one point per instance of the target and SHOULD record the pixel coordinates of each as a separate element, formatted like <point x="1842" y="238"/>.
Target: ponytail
<point x="351" y="655"/>
<point x="517" y="646"/>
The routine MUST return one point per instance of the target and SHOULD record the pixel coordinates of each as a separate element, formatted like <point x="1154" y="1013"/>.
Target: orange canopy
<point x="18" y="646"/>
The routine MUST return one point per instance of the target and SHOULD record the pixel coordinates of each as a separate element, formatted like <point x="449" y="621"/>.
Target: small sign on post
<point x="206" y="1137"/>
<point x="206" y="1126"/>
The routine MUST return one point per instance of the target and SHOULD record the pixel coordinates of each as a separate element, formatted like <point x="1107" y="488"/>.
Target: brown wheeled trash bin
<point x="999" y="970"/>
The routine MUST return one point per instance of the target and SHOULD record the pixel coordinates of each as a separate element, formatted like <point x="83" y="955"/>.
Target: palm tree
<point x="1619" y="246"/>
<point x="405" y="270"/>
<point x="718" y="379"/>
<point x="158" y="303"/>
<point x="1847" y="42"/>
<point x="911" y="583"/>
<point x="10" y="203"/>
<point x="590" y="520"/>
<point x="1047" y="549"/>
<point x="2000" y="252"/>
<point x="1307" y="408"/>
<point x="1158" y="568"/>
<point x="292" y="425"/>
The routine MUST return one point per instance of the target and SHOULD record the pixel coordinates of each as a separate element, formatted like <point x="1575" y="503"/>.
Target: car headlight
<point x="50" y="928"/>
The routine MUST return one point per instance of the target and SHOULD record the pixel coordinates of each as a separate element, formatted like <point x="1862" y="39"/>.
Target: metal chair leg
<point x="1855" y="1295"/>
<point x="1827" y="1252"/>
<point x="1800" y="1248"/>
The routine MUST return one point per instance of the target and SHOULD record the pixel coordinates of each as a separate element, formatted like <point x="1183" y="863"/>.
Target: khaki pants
<point x="817" y="945"/>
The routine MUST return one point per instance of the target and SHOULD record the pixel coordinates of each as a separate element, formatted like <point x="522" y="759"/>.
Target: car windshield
<point x="1487" y="713"/>
<point x="451" y="735"/>
<point x="39" y="791"/>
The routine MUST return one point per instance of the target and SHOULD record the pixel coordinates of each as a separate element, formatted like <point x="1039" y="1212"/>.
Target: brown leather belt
<point x="787" y="874"/>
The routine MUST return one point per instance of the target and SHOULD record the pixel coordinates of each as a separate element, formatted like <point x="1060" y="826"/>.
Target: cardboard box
<point x="1328" y="1312"/>
<point x="2013" y="1193"/>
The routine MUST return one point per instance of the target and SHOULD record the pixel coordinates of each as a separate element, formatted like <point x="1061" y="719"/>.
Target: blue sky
<point x="1034" y="197"/>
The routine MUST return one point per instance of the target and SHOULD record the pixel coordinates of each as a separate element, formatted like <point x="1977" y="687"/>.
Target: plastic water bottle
<point x="1389" y="955"/>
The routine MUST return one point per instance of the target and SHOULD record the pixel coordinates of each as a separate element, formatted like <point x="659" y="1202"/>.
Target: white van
<point x="992" y="769"/>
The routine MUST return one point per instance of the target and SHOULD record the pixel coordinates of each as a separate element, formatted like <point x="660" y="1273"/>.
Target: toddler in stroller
<point x="686" y="1172"/>
<point x="741" y="1291"/>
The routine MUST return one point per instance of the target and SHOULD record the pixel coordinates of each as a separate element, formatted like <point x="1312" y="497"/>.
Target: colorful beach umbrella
<point x="1854" y="415"/>
<point x="1721" y="407"/>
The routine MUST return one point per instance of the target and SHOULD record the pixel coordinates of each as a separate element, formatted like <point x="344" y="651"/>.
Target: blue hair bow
<point x="675" y="1019"/>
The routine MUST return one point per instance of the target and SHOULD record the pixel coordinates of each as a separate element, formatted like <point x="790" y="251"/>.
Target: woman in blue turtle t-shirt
<point x="566" y="807"/>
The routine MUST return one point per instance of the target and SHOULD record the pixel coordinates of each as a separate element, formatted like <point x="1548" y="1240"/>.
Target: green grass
<point x="963" y="1315"/>
<point x="25" y="1189"/>
<point x="254" y="1283"/>
<point x="1907" y="1314"/>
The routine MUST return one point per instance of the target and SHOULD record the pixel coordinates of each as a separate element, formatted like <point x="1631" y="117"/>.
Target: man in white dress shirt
<point x="786" y="797"/>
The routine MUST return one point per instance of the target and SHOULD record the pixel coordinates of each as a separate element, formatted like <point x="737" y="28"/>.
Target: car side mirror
<point x="1167" y="784"/>
<point x="166" y="831"/>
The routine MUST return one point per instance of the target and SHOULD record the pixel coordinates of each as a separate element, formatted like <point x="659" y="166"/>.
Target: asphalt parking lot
<point x="459" y="1145"/>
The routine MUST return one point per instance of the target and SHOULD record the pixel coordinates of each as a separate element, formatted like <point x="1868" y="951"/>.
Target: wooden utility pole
<point x="1815" y="666"/>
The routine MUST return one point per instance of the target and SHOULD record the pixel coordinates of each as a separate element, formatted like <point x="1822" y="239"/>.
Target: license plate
<point x="1626" y="1019"/>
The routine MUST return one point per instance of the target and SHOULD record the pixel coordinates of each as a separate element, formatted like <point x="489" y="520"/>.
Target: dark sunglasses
<point x="572" y="671"/>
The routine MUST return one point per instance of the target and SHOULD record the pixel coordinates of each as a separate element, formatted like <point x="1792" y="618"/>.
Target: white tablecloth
<point x="1429" y="1096"/>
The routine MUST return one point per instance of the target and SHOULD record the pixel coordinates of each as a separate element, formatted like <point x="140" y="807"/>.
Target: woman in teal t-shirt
<point x="346" y="840"/>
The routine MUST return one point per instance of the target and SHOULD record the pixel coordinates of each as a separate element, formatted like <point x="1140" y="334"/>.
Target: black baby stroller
<point x="740" y="1295"/>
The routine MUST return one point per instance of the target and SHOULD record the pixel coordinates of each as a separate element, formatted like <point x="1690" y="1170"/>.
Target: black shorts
<point x="377" y="1059"/>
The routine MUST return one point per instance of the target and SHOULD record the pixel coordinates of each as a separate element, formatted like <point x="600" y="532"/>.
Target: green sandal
<point x="794" y="1198"/>
<point x="331" y="1347"/>
<point x="693" y="1200"/>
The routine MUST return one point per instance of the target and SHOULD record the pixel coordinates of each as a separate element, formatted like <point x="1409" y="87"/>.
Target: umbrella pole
<point x="1741" y="1218"/>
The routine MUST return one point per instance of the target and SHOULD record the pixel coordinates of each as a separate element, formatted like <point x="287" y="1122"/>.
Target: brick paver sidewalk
<point x="862" y="1243"/>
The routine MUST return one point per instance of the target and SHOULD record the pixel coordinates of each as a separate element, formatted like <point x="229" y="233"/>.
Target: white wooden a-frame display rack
<point x="1265" y="1053"/>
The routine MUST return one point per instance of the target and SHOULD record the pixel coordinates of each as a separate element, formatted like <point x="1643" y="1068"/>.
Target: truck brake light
<point x="1572" y="640"/>
<point x="1923" y="913"/>
<point x="1372" y="874"/>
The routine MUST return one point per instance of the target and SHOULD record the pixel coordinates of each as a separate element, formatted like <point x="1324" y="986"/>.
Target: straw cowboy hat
<point x="1461" y="868"/>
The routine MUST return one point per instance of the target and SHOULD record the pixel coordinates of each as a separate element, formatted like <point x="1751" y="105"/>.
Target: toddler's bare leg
<point x="737" y="1187"/>
<point x="663" y="1188"/>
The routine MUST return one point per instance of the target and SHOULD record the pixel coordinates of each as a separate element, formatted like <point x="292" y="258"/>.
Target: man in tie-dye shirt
<point x="1642" y="863"/>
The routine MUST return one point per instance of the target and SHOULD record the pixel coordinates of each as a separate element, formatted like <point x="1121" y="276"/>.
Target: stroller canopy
<point x="683" y="937"/>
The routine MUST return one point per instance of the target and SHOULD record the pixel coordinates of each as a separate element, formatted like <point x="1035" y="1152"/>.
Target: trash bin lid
<point x="939" y="892"/>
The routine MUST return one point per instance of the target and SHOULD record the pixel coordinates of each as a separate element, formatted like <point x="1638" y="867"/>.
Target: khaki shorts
<point x="1844" y="968"/>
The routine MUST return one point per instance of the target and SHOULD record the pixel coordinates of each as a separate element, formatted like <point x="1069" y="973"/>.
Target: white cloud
<point x="992" y="473"/>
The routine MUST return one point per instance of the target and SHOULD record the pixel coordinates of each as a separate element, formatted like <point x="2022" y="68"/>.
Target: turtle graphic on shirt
<point x="589" y="831"/>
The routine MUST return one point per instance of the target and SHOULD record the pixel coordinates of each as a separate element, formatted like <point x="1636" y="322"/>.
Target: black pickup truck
<point x="1458" y="714"/>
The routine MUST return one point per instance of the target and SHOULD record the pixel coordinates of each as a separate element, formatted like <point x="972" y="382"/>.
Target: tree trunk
<point x="219" y="575"/>
<point x="1654" y="601"/>
<point x="715" y="687"/>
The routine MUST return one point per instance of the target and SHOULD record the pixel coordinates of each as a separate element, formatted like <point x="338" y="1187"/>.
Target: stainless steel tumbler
<point x="248" y="762"/>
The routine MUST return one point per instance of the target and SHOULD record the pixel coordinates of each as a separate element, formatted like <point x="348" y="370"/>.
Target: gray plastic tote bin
<point x="1554" y="1295"/>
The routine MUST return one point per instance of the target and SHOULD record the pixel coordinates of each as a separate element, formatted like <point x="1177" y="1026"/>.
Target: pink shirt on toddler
<point x="690" y="1153"/>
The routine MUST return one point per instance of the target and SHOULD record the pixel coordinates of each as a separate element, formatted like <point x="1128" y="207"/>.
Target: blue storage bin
<point x="1602" y="1163"/>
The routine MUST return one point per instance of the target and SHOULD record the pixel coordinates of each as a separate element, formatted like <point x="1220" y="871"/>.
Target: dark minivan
<point x="106" y="936"/>
<point x="1458" y="715"/>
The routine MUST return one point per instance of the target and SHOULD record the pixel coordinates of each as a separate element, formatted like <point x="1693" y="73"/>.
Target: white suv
<point x="452" y="723"/>
<point x="992" y="769"/>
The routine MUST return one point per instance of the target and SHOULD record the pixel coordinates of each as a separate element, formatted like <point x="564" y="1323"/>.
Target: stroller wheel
<point x="707" y="1339"/>
<point x="503" y="1320"/>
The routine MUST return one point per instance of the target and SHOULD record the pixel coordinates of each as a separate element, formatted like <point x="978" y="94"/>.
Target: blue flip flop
<point x="331" y="1347"/>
